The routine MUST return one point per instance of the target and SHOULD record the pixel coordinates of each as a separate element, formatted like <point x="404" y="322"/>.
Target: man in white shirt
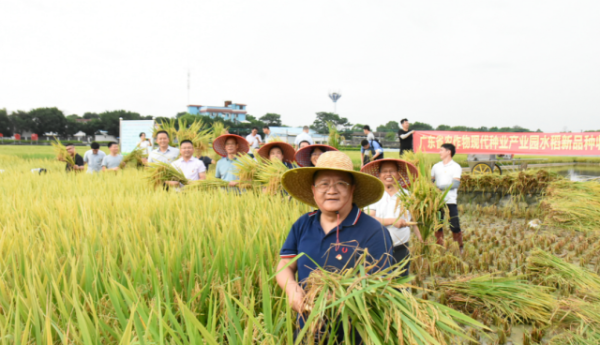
<point x="254" y="140"/>
<point x="387" y="210"/>
<point x="267" y="133"/>
<point x="145" y="145"/>
<point x="368" y="133"/>
<point x="190" y="166"/>
<point x="164" y="153"/>
<point x="446" y="175"/>
<point x="93" y="158"/>
<point x="304" y="136"/>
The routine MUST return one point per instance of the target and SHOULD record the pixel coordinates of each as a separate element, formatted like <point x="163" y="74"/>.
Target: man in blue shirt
<point x="336" y="234"/>
<point x="229" y="146"/>
<point x="375" y="150"/>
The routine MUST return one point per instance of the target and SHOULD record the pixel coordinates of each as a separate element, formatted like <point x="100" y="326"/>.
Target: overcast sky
<point x="475" y="63"/>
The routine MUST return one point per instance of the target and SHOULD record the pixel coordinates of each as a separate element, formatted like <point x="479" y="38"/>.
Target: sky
<point x="473" y="63"/>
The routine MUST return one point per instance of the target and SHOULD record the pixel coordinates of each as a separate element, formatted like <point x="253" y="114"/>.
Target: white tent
<point x="80" y="135"/>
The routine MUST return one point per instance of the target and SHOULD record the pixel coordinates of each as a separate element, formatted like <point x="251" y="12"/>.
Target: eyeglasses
<point x="339" y="186"/>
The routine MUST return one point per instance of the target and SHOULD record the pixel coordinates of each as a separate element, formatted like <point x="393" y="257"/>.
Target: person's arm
<point x="404" y="136"/>
<point x="383" y="221"/>
<point x="286" y="279"/>
<point x="417" y="232"/>
<point x="378" y="151"/>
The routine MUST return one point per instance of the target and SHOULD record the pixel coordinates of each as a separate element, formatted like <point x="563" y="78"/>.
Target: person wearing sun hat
<point x="229" y="146"/>
<point x="280" y="150"/>
<point x="308" y="155"/>
<point x="338" y="231"/>
<point x="394" y="174"/>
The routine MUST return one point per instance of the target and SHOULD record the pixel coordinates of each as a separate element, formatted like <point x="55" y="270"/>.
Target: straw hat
<point x="287" y="149"/>
<point x="219" y="144"/>
<point x="303" y="155"/>
<point x="368" y="189"/>
<point x="406" y="170"/>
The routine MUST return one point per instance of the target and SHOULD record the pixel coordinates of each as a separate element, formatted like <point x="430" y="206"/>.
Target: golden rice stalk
<point x="159" y="173"/>
<point x="218" y="129"/>
<point x="62" y="154"/>
<point x="269" y="174"/>
<point x="209" y="183"/>
<point x="335" y="139"/>
<point x="506" y="297"/>
<point x="412" y="157"/>
<point x="134" y="159"/>
<point x="572" y="205"/>
<point x="197" y="134"/>
<point x="247" y="167"/>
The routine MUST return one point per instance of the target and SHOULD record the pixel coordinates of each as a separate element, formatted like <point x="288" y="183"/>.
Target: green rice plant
<point x="424" y="201"/>
<point x="269" y="175"/>
<point x="158" y="173"/>
<point x="505" y="297"/>
<point x="218" y="129"/>
<point x="62" y="154"/>
<point x="555" y="272"/>
<point x="572" y="205"/>
<point x="379" y="307"/>
<point x="334" y="139"/>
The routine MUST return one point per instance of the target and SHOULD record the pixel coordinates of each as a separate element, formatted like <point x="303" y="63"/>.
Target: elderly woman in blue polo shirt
<point x="333" y="234"/>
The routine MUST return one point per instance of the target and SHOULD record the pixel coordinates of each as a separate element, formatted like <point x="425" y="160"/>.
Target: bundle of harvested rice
<point x="555" y="272"/>
<point x="159" y="173"/>
<point x="572" y="205"/>
<point x="506" y="297"/>
<point x="424" y="201"/>
<point x="269" y="175"/>
<point x="62" y="154"/>
<point x="379" y="307"/>
<point x="134" y="158"/>
<point x="247" y="167"/>
<point x="197" y="134"/>
<point x="412" y="157"/>
<point x="218" y="129"/>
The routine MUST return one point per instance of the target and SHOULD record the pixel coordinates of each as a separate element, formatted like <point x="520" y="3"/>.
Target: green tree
<point x="5" y="125"/>
<point x="390" y="136"/>
<point x="21" y="121"/>
<point x="443" y="128"/>
<point x="391" y="126"/>
<point x="357" y="128"/>
<point x="110" y="120"/>
<point x="421" y="126"/>
<point x="271" y="119"/>
<point x="320" y="124"/>
<point x="48" y="120"/>
<point x="88" y="116"/>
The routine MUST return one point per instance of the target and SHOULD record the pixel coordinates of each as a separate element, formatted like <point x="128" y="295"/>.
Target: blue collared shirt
<point x="225" y="169"/>
<point x="166" y="157"/>
<point x="358" y="230"/>
<point x="374" y="147"/>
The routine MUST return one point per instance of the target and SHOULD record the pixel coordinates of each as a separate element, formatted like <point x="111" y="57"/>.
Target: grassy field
<point x="106" y="259"/>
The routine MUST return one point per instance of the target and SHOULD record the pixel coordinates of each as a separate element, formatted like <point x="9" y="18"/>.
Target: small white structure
<point x="80" y="135"/>
<point x="104" y="136"/>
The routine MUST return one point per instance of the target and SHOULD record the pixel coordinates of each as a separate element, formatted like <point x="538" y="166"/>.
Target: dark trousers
<point x="401" y="252"/>
<point x="454" y="221"/>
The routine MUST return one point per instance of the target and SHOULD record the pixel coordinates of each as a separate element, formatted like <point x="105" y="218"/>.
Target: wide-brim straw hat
<point x="407" y="171"/>
<point x="303" y="155"/>
<point x="287" y="150"/>
<point x="219" y="144"/>
<point x="298" y="182"/>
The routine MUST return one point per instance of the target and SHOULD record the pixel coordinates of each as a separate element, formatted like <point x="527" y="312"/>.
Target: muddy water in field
<point x="576" y="172"/>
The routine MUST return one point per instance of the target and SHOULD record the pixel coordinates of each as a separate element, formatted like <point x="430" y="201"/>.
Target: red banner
<point x="547" y="144"/>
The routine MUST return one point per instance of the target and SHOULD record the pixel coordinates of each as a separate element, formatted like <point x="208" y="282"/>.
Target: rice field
<point x="108" y="259"/>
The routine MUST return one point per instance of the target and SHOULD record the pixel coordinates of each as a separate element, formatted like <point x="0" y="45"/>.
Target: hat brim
<point x="219" y="144"/>
<point x="287" y="149"/>
<point x="298" y="183"/>
<point x="302" y="156"/>
<point x="408" y="171"/>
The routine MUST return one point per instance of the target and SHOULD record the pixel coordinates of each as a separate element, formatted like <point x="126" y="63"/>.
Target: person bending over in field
<point x="337" y="232"/>
<point x="278" y="150"/>
<point x="79" y="163"/>
<point x="93" y="158"/>
<point x="308" y="155"/>
<point x="112" y="162"/>
<point x="164" y="153"/>
<point x="393" y="174"/>
<point x="446" y="175"/>
<point x="190" y="166"/>
<point x="229" y="146"/>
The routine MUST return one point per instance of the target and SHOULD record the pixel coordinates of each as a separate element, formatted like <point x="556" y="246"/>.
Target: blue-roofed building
<point x="234" y="112"/>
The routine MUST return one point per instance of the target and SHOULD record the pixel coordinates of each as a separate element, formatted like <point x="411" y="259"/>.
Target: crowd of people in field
<point x="354" y="210"/>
